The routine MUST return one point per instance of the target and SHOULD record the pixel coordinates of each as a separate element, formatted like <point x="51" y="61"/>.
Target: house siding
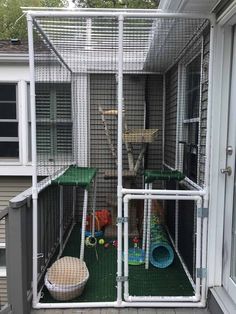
<point x="155" y="120"/>
<point x="171" y="115"/>
<point x="103" y="93"/>
<point x="204" y="101"/>
<point x="187" y="217"/>
<point x="10" y="187"/>
<point x="3" y="291"/>
<point x="172" y="103"/>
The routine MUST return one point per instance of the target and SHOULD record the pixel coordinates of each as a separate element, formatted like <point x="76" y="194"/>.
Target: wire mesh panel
<point x="154" y="265"/>
<point x="163" y="133"/>
<point x="165" y="140"/>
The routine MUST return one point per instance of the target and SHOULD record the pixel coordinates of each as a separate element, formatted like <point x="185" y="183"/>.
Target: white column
<point x="23" y="121"/>
<point x="34" y="162"/>
<point x="80" y="112"/>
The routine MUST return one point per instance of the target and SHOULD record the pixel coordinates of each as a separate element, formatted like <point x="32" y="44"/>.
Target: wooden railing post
<point x="16" y="242"/>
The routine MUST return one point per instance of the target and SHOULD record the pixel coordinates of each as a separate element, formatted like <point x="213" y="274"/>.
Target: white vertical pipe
<point x="88" y="33"/>
<point x="198" y="248"/>
<point x="61" y="220"/>
<point x="83" y="224"/>
<point x="177" y="221"/>
<point x="94" y="205"/>
<point x="204" y="259"/>
<point x="22" y="115"/>
<point x="163" y="119"/>
<point x="119" y="156"/>
<point x="148" y="229"/>
<point x="144" y="221"/>
<point x="34" y="158"/>
<point x="126" y="248"/>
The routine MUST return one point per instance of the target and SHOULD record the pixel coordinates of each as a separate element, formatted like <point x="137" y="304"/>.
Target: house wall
<point x="171" y="96"/>
<point x="138" y="91"/>
<point x="204" y="100"/>
<point x="154" y="99"/>
<point x="174" y="95"/>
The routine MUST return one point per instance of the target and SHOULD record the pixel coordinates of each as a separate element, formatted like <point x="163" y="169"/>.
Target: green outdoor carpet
<point x="101" y="286"/>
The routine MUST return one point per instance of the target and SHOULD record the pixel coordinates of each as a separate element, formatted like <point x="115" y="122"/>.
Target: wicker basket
<point x="140" y="136"/>
<point x="66" y="278"/>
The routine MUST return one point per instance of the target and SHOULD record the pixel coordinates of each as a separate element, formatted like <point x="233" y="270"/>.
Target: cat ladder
<point x="130" y="137"/>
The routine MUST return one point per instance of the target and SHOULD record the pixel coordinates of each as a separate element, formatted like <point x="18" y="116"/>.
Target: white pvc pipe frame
<point x="127" y="297"/>
<point x="120" y="191"/>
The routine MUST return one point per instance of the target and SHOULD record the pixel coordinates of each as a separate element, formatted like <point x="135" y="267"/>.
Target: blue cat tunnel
<point x="161" y="255"/>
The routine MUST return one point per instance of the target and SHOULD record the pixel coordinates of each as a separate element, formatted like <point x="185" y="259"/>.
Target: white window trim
<point x="181" y="105"/>
<point x="22" y="119"/>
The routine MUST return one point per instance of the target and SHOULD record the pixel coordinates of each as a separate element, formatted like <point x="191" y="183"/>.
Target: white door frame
<point x="219" y="117"/>
<point x="228" y="283"/>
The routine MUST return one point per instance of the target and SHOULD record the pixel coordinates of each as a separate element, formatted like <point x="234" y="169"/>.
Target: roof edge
<point x="12" y="58"/>
<point x="172" y="6"/>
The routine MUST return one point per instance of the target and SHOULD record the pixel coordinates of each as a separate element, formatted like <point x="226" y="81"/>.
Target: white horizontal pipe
<point x="161" y="197"/>
<point x="162" y="299"/>
<point x="117" y="13"/>
<point x="115" y="304"/>
<point x="74" y="305"/>
<point x="163" y="304"/>
<point x="27" y="9"/>
<point x="163" y="192"/>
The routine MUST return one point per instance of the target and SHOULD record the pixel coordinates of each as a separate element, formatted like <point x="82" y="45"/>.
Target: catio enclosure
<point x="119" y="129"/>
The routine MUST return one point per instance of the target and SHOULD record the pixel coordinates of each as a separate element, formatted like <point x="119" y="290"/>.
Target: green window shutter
<point x="44" y="140"/>
<point x="63" y="99"/>
<point x="64" y="139"/>
<point x="42" y="102"/>
<point x="54" y="120"/>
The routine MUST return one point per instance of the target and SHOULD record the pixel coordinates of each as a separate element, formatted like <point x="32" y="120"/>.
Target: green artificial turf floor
<point x="101" y="286"/>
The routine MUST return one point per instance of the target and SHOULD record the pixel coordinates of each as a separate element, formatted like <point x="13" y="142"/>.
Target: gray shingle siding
<point x="171" y="115"/>
<point x="171" y="104"/>
<point x="154" y="120"/>
<point x="204" y="101"/>
<point x="103" y="93"/>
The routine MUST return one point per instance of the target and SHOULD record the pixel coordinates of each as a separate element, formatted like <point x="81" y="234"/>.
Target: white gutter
<point x="13" y="58"/>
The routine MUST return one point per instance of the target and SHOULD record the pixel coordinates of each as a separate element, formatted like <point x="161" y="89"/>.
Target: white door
<point x="229" y="248"/>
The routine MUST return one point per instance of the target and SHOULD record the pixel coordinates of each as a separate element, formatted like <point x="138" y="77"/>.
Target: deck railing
<point x="19" y="235"/>
<point x="4" y="307"/>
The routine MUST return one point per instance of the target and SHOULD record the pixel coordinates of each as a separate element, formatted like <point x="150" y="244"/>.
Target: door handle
<point x="227" y="170"/>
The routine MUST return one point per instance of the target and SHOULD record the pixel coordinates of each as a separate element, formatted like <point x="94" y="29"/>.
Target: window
<point x="9" y="141"/>
<point x="54" y="121"/>
<point x="191" y="120"/>
<point x="2" y="260"/>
